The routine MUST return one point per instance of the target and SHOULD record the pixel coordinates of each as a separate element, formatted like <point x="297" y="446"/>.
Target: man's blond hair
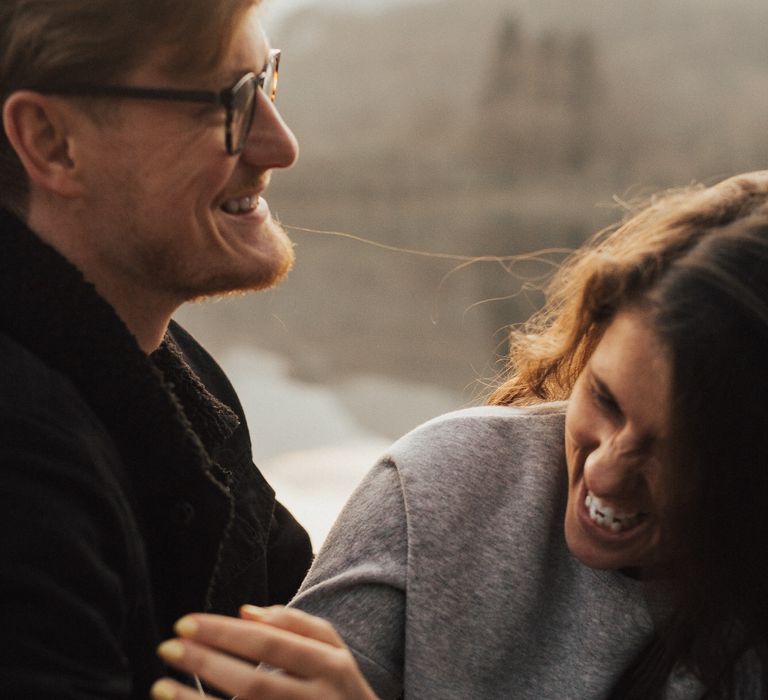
<point x="63" y="42"/>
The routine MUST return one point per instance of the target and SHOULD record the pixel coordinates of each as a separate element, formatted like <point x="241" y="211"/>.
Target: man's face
<point x="161" y="187"/>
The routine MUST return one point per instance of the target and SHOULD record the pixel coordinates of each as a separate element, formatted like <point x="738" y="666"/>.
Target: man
<point x="137" y="141"/>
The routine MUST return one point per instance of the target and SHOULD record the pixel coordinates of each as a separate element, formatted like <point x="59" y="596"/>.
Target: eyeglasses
<point x="239" y="101"/>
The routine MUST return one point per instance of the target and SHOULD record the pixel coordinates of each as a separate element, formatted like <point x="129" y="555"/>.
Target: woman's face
<point x="615" y="428"/>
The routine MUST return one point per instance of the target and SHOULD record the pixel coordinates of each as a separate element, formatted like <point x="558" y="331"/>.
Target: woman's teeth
<point x="240" y="205"/>
<point x="607" y="517"/>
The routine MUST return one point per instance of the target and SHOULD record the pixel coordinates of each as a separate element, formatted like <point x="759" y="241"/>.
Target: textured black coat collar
<point x="47" y="306"/>
<point x="213" y="421"/>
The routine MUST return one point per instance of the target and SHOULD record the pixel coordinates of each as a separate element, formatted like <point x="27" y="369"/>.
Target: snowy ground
<point x="314" y="443"/>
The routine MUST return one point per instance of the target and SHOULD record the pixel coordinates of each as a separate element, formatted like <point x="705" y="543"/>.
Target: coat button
<point x="183" y="513"/>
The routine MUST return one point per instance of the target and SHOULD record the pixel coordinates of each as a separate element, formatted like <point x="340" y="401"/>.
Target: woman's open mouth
<point x="609" y="518"/>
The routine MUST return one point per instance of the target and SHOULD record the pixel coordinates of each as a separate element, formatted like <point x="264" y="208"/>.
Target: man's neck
<point x="144" y="314"/>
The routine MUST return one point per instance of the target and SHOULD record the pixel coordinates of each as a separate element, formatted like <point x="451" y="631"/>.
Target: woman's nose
<point x="611" y="472"/>
<point x="270" y="143"/>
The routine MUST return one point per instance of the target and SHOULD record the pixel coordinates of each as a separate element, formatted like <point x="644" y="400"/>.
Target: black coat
<point x="128" y="496"/>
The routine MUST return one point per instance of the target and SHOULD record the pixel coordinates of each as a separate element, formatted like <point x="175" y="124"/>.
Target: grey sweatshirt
<point x="448" y="574"/>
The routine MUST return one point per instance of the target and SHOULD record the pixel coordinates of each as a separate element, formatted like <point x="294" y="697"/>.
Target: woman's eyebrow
<point x="648" y="438"/>
<point x="602" y="387"/>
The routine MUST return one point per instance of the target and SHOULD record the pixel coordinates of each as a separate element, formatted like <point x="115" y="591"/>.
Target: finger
<point x="229" y="675"/>
<point x="255" y="641"/>
<point x="296" y="621"/>
<point x="168" y="689"/>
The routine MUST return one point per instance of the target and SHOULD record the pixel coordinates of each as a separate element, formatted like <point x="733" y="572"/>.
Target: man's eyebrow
<point x="234" y="74"/>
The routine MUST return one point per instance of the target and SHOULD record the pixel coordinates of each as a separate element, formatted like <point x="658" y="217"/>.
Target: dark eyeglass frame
<point x="226" y="98"/>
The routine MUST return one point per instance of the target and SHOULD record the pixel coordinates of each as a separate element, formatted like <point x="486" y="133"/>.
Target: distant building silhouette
<point x="507" y="67"/>
<point x="539" y="103"/>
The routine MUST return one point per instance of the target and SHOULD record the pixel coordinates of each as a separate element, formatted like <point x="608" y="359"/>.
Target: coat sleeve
<point x="358" y="581"/>
<point x="64" y="590"/>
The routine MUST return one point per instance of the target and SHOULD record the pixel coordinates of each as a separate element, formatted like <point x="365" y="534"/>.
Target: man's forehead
<point x="246" y="50"/>
<point x="249" y="49"/>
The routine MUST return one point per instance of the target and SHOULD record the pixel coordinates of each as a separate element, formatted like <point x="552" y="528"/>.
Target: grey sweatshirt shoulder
<point x="448" y="575"/>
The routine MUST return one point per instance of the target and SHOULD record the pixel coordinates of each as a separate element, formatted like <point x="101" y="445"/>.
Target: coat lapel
<point x="47" y="306"/>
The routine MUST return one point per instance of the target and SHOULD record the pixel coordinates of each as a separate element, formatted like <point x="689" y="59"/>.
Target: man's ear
<point x="37" y="128"/>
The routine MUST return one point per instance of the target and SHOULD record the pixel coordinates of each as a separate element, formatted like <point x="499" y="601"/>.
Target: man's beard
<point x="189" y="280"/>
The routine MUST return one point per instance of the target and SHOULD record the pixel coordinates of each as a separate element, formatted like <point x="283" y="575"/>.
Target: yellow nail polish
<point x="252" y="612"/>
<point x="172" y="650"/>
<point x="186" y="627"/>
<point x="163" y="690"/>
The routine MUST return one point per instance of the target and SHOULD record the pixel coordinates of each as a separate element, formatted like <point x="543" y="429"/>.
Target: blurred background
<point x="463" y="129"/>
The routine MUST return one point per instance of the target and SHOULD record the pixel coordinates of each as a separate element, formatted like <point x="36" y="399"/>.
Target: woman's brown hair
<point x="612" y="270"/>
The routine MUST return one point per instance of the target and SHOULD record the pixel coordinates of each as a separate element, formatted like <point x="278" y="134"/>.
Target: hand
<point x="313" y="661"/>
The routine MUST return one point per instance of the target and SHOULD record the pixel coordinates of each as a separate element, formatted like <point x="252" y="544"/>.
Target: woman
<point x="610" y="545"/>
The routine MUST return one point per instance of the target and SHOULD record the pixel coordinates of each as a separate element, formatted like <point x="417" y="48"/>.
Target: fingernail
<point x="162" y="690"/>
<point x="186" y="626"/>
<point x="172" y="650"/>
<point x="253" y="612"/>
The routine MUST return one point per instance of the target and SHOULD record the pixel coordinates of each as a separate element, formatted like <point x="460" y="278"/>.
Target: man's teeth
<point x="607" y="517"/>
<point x="240" y="205"/>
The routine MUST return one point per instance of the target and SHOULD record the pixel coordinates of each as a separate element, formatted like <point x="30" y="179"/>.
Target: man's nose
<point x="270" y="143"/>
<point x="610" y="471"/>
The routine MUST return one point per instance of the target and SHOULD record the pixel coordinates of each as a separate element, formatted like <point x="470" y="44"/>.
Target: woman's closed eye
<point x="604" y="399"/>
